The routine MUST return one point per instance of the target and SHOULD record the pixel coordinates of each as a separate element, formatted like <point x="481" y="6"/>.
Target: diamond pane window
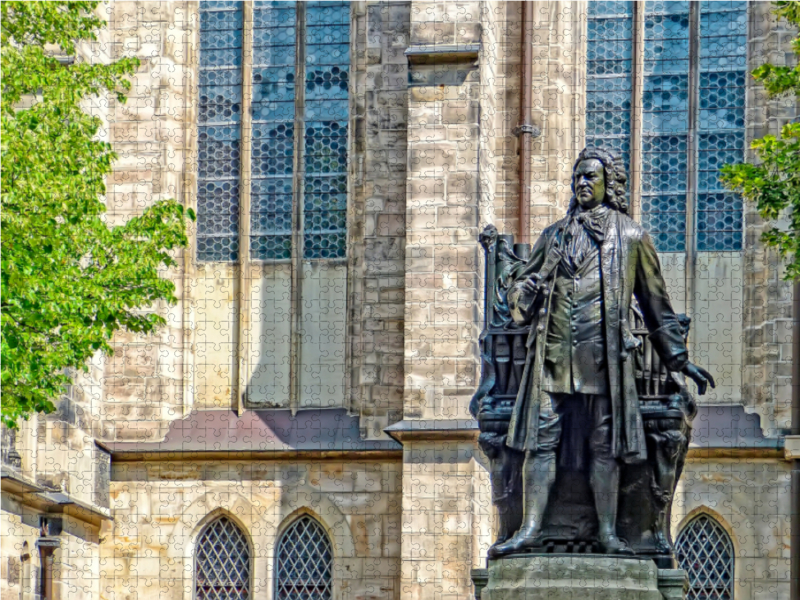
<point x="222" y="563"/>
<point x="705" y="551"/>
<point x="304" y="563"/>
<point x="299" y="106"/>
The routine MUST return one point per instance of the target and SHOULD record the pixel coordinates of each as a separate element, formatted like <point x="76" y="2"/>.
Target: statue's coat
<point x="629" y="266"/>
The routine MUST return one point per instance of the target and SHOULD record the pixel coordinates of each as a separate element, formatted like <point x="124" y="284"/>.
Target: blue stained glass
<point x="666" y="7"/>
<point x="274" y="92"/>
<point x="328" y="54"/>
<point x="271" y="247"/>
<point x="219" y="115"/>
<point x="327" y="13"/>
<point x="608" y="77"/>
<point x="219" y="20"/>
<point x="227" y="38"/>
<point x="207" y="5"/>
<point x="319" y="184"/>
<point x="665" y="123"/>
<point x="273" y="110"/>
<point x="599" y="8"/>
<point x="327" y="34"/>
<point x="723" y="76"/>
<point x="274" y="55"/>
<point x="272" y="186"/>
<point x="326" y="115"/>
<point x="723" y="24"/>
<point x="220" y="77"/>
<point x="722" y="5"/>
<point x="610" y="29"/>
<point x="265" y="17"/>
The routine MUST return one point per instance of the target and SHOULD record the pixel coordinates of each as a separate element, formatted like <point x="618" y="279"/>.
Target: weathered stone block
<point x="571" y="577"/>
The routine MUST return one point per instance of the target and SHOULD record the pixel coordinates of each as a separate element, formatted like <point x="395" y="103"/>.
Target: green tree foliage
<point x="69" y="278"/>
<point x="773" y="182"/>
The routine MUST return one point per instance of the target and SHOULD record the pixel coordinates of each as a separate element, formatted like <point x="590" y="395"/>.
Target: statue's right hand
<point x="530" y="285"/>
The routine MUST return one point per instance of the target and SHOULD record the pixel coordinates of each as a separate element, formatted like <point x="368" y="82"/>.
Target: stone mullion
<point x="244" y="276"/>
<point x="637" y="110"/>
<point x="692" y="155"/>
<point x="298" y="170"/>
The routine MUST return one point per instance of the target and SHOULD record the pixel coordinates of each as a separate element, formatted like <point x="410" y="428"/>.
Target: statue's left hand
<point x="700" y="376"/>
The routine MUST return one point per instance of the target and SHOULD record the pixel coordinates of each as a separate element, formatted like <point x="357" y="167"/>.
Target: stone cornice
<point x="49" y="501"/>
<point x="434" y="430"/>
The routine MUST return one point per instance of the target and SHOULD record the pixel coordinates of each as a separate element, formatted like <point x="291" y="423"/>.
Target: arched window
<point x="705" y="551"/>
<point x="222" y="563"/>
<point x="304" y="562"/>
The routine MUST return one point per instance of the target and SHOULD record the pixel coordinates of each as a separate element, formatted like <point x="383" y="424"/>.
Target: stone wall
<point x="161" y="507"/>
<point x="143" y="383"/>
<point x="76" y="562"/>
<point x="430" y="166"/>
<point x="376" y="294"/>
<point x="749" y="498"/>
<point x="767" y="314"/>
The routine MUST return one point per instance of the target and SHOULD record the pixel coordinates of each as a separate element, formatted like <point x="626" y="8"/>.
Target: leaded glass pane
<point x="665" y="115"/>
<point x="222" y="563"/>
<point x="273" y="108"/>
<point x="326" y="123"/>
<point x="304" y="563"/>
<point x="273" y="105"/>
<point x="219" y="136"/>
<point x="608" y="77"/>
<point x="723" y="39"/>
<point x="704" y="550"/>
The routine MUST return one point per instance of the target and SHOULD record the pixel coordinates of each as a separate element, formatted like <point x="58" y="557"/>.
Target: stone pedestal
<point x="573" y="577"/>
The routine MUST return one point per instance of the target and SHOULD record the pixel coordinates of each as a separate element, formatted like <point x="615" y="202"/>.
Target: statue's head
<point x="598" y="177"/>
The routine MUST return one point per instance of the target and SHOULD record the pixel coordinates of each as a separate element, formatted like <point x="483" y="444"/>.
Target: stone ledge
<point x="442" y="53"/>
<point x="50" y="501"/>
<point x="440" y="430"/>
<point x="791" y="448"/>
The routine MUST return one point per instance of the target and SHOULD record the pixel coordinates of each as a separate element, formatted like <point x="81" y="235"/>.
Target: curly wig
<point x="614" y="174"/>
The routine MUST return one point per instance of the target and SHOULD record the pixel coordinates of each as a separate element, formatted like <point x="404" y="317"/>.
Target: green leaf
<point x="69" y="281"/>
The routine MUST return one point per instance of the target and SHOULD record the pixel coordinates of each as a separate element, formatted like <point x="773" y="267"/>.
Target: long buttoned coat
<point x="629" y="266"/>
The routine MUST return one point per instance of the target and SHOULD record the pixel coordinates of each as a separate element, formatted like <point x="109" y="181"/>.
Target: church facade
<point x="300" y="427"/>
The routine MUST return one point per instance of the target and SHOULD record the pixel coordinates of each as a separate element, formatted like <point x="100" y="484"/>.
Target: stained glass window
<point x="222" y="563"/>
<point x="609" y="67"/>
<point x="704" y="550"/>
<point x="271" y="191"/>
<point x="723" y="65"/>
<point x="327" y="80"/>
<point x="667" y="126"/>
<point x="304" y="562"/>
<point x="665" y="106"/>
<point x="299" y="107"/>
<point x="219" y="131"/>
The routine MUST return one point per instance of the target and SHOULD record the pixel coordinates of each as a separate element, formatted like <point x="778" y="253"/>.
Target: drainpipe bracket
<point x="529" y="129"/>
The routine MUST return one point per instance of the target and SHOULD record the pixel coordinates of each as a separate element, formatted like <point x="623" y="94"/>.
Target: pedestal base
<point x="569" y="577"/>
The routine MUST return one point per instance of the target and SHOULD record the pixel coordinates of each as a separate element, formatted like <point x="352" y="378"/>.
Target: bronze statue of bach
<point x="577" y="393"/>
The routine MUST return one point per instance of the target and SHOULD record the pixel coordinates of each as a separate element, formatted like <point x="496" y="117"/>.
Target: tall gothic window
<point x="222" y="563"/>
<point x="273" y="129"/>
<point x="304" y="562"/>
<point x="675" y="111"/>
<point x="704" y="550"/>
